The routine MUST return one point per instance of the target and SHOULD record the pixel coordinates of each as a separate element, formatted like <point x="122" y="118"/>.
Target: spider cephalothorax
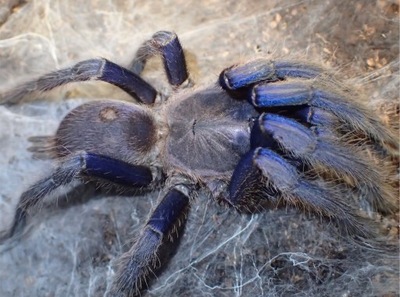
<point x="266" y="133"/>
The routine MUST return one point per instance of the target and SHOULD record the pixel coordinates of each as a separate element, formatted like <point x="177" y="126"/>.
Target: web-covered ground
<point x="68" y="250"/>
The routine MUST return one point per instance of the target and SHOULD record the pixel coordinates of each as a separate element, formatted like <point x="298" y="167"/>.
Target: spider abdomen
<point x="208" y="132"/>
<point x="120" y="130"/>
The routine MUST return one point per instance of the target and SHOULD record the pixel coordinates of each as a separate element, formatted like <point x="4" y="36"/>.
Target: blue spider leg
<point x="302" y="143"/>
<point x="296" y="93"/>
<point x="74" y="168"/>
<point x="93" y="69"/>
<point x="167" y="45"/>
<point x="143" y="259"/>
<point x="263" y="174"/>
<point x="262" y="70"/>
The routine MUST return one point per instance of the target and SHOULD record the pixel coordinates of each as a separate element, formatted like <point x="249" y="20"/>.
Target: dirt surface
<point x="69" y="250"/>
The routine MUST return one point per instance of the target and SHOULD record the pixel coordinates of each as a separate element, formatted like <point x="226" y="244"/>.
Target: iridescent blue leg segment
<point x="302" y="143"/>
<point x="143" y="258"/>
<point x="116" y="171"/>
<point x="262" y="70"/>
<point x="167" y="45"/>
<point x="93" y="69"/>
<point x="276" y="176"/>
<point x="128" y="81"/>
<point x="74" y="168"/>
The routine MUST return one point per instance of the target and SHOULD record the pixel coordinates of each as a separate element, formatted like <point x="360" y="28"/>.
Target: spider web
<point x="68" y="249"/>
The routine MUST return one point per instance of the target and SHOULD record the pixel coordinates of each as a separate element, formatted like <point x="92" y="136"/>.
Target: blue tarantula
<point x="269" y="132"/>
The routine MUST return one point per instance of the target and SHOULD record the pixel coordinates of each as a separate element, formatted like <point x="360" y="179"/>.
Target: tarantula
<point x="269" y="132"/>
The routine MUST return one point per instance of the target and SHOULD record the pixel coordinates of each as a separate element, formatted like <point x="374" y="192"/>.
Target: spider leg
<point x="93" y="69"/>
<point x="302" y="143"/>
<point x="74" y="168"/>
<point x="264" y="174"/>
<point x="167" y="45"/>
<point x="143" y="258"/>
<point x="263" y="70"/>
